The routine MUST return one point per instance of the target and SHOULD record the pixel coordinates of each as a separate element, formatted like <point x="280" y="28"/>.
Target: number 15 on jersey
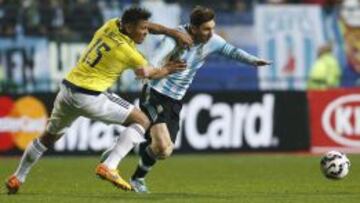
<point x="98" y="49"/>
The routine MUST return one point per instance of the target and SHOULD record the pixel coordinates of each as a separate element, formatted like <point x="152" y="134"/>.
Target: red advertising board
<point x="335" y="120"/>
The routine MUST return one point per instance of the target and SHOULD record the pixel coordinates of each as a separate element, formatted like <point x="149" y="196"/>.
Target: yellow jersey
<point x="109" y="53"/>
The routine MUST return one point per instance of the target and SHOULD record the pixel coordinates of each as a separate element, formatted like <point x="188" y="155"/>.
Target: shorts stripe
<point x="151" y="111"/>
<point x="118" y="100"/>
<point x="138" y="129"/>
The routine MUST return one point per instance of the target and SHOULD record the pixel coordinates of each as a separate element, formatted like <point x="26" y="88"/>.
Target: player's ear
<point x="193" y="28"/>
<point x="128" y="28"/>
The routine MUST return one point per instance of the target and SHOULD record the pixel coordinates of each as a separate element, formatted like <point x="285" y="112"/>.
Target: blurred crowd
<point x="56" y="18"/>
<point x="78" y="19"/>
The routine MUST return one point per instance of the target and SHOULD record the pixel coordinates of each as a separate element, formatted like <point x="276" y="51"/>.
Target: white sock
<point x="132" y="135"/>
<point x="32" y="153"/>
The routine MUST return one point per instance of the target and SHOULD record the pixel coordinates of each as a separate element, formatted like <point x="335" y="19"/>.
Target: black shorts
<point x="161" y="109"/>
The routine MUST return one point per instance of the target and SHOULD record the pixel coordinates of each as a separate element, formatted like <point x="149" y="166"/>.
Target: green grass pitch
<point x="189" y="178"/>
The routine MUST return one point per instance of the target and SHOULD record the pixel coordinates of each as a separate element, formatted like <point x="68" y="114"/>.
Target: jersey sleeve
<point x="228" y="50"/>
<point x="133" y="58"/>
<point x="167" y="46"/>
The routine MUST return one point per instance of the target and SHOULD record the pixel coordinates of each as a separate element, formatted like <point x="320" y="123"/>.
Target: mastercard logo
<point x="21" y="121"/>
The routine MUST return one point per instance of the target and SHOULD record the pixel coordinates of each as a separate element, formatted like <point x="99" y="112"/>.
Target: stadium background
<point x="244" y="108"/>
<point x="231" y="107"/>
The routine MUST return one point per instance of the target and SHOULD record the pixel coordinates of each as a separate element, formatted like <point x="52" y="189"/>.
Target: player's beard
<point x="203" y="39"/>
<point x="207" y="38"/>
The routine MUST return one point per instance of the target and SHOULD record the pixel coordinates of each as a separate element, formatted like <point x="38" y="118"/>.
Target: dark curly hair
<point x="135" y="14"/>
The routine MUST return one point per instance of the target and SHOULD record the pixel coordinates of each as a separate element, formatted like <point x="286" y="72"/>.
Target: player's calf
<point x="137" y="124"/>
<point x="48" y="139"/>
<point x="138" y="117"/>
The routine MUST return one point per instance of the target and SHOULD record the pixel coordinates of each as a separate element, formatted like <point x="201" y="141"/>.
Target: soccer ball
<point x="335" y="165"/>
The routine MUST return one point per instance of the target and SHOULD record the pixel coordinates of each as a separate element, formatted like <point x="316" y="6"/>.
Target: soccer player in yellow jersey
<point x="84" y="92"/>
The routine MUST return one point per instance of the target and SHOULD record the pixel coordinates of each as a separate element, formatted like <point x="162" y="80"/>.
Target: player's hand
<point x="184" y="40"/>
<point x="262" y="62"/>
<point x="175" y="66"/>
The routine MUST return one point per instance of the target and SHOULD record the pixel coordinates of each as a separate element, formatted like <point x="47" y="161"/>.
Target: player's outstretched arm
<point x="183" y="39"/>
<point x="157" y="73"/>
<point x="242" y="56"/>
<point x="228" y="50"/>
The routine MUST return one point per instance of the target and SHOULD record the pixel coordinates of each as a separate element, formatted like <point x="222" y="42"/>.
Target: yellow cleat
<point x="112" y="176"/>
<point x="13" y="185"/>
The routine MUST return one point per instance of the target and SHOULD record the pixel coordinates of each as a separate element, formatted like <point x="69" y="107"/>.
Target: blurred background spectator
<point x="8" y="17"/>
<point x="83" y="18"/>
<point x="326" y="72"/>
<point x="79" y="18"/>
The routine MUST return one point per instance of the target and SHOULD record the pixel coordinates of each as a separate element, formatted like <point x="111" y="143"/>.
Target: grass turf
<point x="189" y="178"/>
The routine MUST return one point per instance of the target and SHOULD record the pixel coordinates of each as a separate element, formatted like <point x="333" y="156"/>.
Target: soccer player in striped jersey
<point x="161" y="99"/>
<point x="84" y="93"/>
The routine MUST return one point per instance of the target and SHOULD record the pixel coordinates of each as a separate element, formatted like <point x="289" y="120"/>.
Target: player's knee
<point x="141" y="119"/>
<point x="164" y="150"/>
<point x="144" y="121"/>
<point x="167" y="153"/>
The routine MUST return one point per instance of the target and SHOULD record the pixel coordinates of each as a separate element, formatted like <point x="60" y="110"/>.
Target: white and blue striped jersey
<point x="176" y="84"/>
